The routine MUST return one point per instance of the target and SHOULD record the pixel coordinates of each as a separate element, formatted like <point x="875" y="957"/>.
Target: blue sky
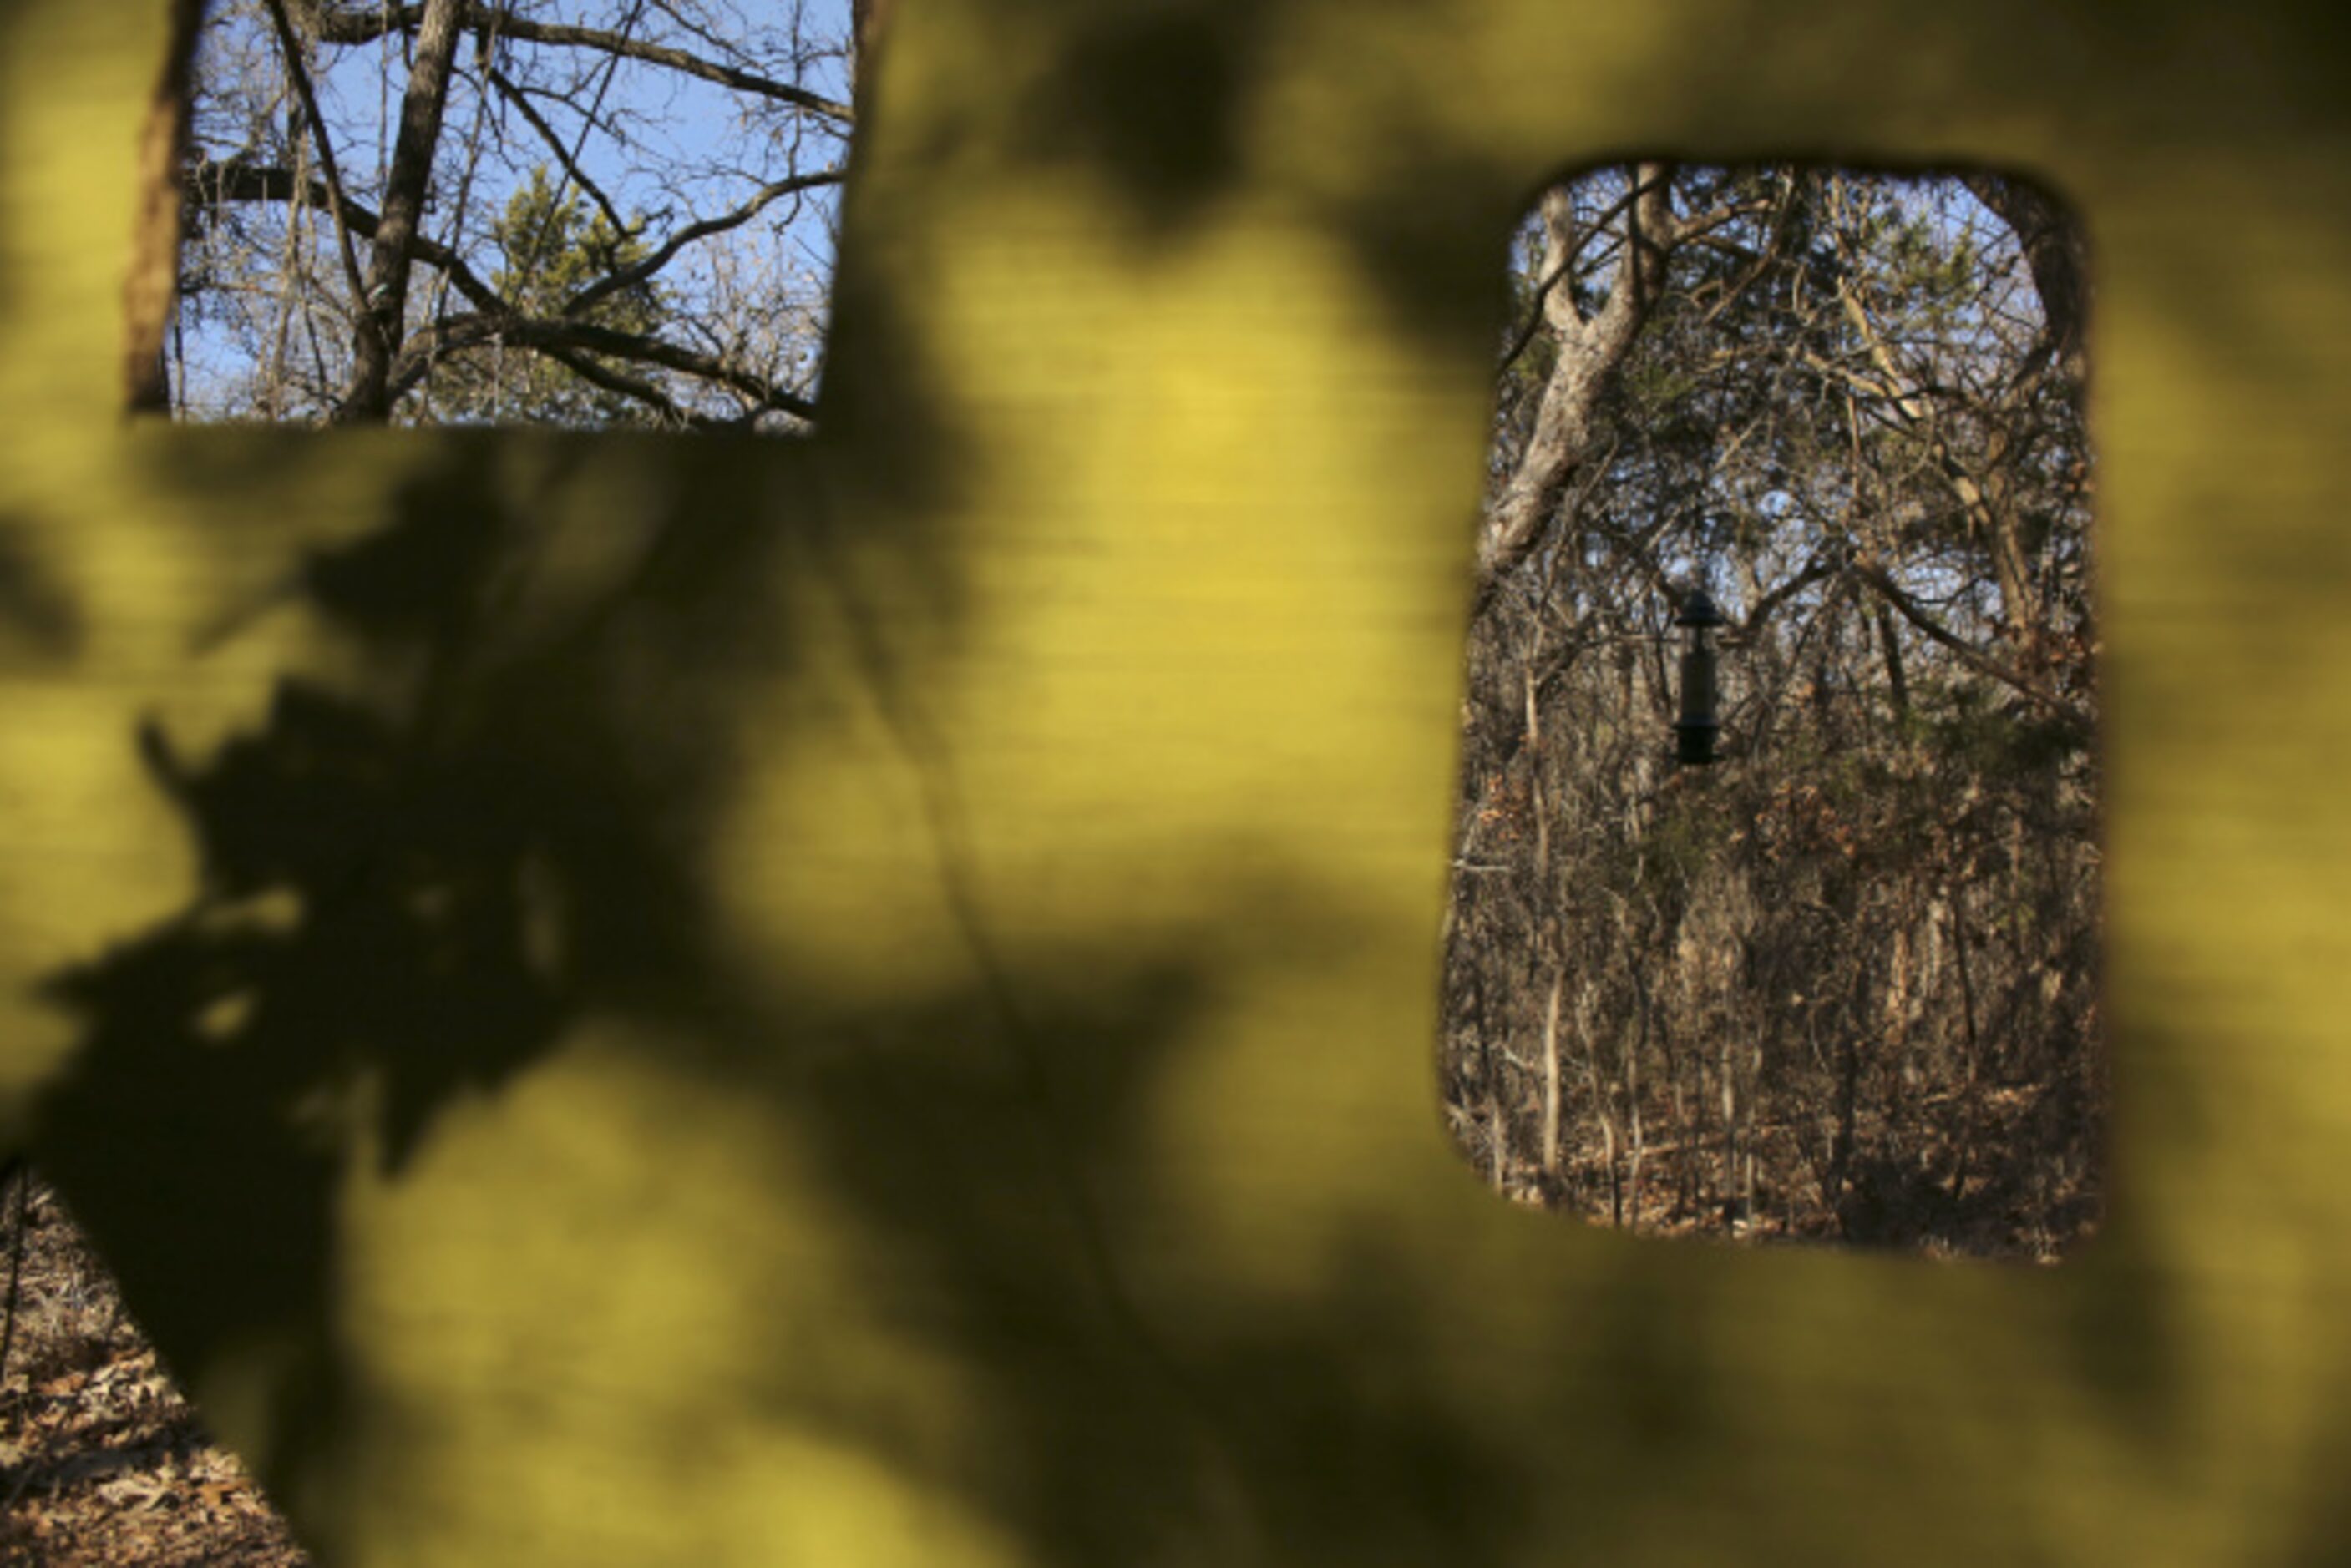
<point x="668" y="146"/>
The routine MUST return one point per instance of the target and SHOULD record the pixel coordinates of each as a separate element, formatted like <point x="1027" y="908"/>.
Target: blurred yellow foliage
<point x="985" y="1112"/>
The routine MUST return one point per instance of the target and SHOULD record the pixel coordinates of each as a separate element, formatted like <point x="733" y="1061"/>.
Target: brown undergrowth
<point x="1898" y="1189"/>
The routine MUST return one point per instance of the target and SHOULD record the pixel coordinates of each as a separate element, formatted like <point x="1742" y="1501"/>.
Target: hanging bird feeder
<point x="1696" y="729"/>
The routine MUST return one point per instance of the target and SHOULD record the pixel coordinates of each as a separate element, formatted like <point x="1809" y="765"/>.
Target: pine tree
<point x="550" y="244"/>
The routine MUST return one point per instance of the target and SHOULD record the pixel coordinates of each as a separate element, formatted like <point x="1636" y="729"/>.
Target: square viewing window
<point x="1840" y="981"/>
<point x="588" y="215"/>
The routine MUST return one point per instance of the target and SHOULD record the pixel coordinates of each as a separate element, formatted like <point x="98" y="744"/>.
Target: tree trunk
<point x="1974" y="1091"/>
<point x="1589" y="353"/>
<point x="1726" y="1067"/>
<point x="382" y="313"/>
<point x="1897" y="682"/>
<point x="1842" y="1151"/>
<point x="1498" y="1126"/>
<point x="1634" y="1150"/>
<point x="1603" y="1103"/>
<point x="150" y="290"/>
<point x="1551" y="1085"/>
<point x="869" y="19"/>
<point x="2058" y="253"/>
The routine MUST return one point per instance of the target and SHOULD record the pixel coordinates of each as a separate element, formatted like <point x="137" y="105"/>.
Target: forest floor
<point x="2015" y="1203"/>
<point x="101" y="1459"/>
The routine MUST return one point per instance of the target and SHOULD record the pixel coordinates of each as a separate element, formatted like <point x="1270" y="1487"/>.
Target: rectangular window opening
<point x="615" y="217"/>
<point x="1775" y="911"/>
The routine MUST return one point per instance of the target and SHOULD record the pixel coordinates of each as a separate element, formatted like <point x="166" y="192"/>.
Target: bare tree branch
<point x="211" y="183"/>
<point x="640" y="271"/>
<point x="234" y="179"/>
<point x="553" y="335"/>
<point x="1590" y="352"/>
<point x="1752" y="624"/>
<point x="359" y="24"/>
<point x="1970" y="656"/>
<point x="634" y="386"/>
<point x="384" y="305"/>
<point x="547" y="133"/>
<point x="299" y="74"/>
<point x="2057" y="254"/>
<point x="1564" y="241"/>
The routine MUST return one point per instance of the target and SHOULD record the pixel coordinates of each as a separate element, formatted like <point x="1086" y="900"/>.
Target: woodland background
<point x="1843" y="984"/>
